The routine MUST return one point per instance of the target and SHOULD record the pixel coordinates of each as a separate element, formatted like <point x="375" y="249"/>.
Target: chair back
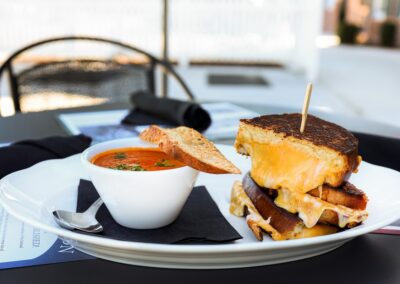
<point x="70" y="77"/>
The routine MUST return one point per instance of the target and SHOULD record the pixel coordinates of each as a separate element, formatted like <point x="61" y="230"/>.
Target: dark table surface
<point x="370" y="258"/>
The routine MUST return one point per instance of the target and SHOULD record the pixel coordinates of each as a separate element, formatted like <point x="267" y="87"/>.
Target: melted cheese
<point x="283" y="166"/>
<point x="240" y="201"/>
<point x="310" y="208"/>
<point x="317" y="230"/>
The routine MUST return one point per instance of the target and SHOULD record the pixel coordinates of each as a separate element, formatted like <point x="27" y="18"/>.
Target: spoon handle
<point x="92" y="210"/>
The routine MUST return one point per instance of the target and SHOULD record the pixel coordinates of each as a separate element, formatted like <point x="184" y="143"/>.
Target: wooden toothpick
<point x="305" y="107"/>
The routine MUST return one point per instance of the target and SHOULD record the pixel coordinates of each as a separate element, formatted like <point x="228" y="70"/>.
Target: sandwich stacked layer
<point x="303" y="174"/>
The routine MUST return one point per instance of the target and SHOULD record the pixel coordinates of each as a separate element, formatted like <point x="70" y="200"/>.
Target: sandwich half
<point x="303" y="174"/>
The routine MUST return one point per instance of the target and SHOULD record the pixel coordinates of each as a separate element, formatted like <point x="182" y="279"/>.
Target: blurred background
<point x="249" y="51"/>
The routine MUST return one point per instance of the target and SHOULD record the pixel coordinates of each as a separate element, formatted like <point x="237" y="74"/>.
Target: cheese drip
<point x="310" y="208"/>
<point x="284" y="166"/>
<point x="240" y="201"/>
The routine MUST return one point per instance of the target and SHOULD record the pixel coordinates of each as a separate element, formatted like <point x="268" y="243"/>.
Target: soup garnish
<point x="164" y="163"/>
<point x="120" y="155"/>
<point x="136" y="159"/>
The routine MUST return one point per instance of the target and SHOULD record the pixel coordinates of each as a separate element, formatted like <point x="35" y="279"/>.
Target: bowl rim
<point x="85" y="160"/>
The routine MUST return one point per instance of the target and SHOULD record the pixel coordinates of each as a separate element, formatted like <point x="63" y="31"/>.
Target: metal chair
<point x="98" y="79"/>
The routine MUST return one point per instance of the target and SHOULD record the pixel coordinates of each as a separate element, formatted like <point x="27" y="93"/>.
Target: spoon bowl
<point x="85" y="221"/>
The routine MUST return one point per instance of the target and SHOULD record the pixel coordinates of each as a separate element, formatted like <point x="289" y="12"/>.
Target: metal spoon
<point x="85" y="221"/>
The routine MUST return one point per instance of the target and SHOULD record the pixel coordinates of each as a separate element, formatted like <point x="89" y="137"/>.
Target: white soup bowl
<point x="139" y="199"/>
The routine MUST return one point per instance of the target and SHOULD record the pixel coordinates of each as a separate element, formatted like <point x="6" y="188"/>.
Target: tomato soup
<point x="136" y="159"/>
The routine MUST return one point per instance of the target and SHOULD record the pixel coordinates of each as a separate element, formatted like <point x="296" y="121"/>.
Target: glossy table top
<point x="367" y="259"/>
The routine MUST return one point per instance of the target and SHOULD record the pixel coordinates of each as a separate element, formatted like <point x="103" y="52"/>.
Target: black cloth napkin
<point x="170" y="111"/>
<point x="26" y="153"/>
<point x="139" y="117"/>
<point x="379" y="150"/>
<point x="199" y="222"/>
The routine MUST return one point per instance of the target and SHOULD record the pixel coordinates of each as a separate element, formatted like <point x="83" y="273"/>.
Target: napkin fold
<point x="168" y="111"/>
<point x="199" y="222"/>
<point x="26" y="153"/>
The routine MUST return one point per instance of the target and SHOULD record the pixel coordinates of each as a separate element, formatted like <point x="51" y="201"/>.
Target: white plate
<point x="32" y="194"/>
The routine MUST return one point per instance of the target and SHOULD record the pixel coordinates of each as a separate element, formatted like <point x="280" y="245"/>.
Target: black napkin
<point x="199" y="222"/>
<point x="170" y="111"/>
<point x="379" y="150"/>
<point x="26" y="153"/>
<point x="139" y="117"/>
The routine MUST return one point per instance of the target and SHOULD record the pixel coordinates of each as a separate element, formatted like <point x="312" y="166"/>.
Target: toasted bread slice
<point x="262" y="215"/>
<point x="282" y="157"/>
<point x="190" y="147"/>
<point x="347" y="195"/>
<point x="311" y="210"/>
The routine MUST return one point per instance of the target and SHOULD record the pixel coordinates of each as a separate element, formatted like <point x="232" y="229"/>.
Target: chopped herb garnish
<point x="137" y="168"/>
<point x="163" y="163"/>
<point x="120" y="156"/>
<point x="121" y="167"/>
<point x="124" y="167"/>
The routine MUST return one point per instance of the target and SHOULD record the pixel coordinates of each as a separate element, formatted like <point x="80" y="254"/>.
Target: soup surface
<point x="136" y="159"/>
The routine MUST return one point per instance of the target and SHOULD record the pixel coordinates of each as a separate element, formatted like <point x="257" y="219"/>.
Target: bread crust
<point x="340" y="153"/>
<point x="174" y="148"/>
<point x="347" y="195"/>
<point x="319" y="132"/>
<point x="248" y="199"/>
<point x="285" y="221"/>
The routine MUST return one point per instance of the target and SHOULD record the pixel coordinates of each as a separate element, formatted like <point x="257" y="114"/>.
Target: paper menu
<point x="22" y="245"/>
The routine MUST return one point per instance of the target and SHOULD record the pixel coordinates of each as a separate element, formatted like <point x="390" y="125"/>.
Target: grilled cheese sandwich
<point x="304" y="174"/>
<point x="262" y="215"/>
